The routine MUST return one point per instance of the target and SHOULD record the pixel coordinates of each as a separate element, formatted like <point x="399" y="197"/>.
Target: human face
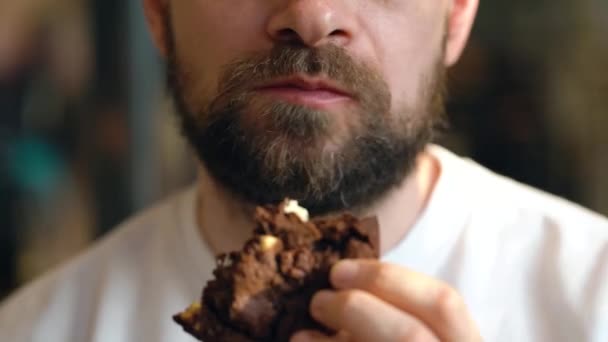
<point x="400" y="39"/>
<point x="328" y="102"/>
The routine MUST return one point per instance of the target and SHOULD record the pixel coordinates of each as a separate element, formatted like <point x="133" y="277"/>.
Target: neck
<point x="226" y="222"/>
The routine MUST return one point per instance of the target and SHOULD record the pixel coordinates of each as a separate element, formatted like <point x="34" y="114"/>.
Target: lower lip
<point x="314" y="98"/>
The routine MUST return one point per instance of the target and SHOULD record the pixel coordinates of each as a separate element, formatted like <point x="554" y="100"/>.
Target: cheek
<point x="407" y="43"/>
<point x="410" y="69"/>
<point x="210" y="34"/>
<point x="408" y="75"/>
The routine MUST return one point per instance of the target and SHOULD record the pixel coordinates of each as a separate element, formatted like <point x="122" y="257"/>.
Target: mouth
<point x="314" y="92"/>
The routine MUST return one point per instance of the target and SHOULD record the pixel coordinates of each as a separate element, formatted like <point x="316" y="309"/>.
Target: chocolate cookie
<point x="262" y="292"/>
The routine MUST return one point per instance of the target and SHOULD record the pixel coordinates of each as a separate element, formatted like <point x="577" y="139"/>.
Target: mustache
<point x="285" y="60"/>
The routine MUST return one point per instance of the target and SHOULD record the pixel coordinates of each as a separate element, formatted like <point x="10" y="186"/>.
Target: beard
<point x="265" y="151"/>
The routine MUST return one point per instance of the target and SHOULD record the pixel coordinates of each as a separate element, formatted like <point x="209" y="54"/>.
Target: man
<point x="333" y="103"/>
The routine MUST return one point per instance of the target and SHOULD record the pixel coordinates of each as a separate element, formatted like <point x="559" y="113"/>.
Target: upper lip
<point x="306" y="83"/>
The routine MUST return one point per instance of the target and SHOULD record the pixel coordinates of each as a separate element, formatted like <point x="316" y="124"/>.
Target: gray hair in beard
<point x="283" y="153"/>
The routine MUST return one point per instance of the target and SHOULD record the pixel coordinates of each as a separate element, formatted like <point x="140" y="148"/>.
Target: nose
<point x="310" y="22"/>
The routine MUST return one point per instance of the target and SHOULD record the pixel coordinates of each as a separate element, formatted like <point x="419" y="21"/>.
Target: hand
<point x="382" y="302"/>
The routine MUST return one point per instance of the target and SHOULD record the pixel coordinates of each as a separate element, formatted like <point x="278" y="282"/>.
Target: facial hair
<point x="263" y="152"/>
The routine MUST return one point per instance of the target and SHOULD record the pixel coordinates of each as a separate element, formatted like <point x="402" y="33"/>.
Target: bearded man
<point x="333" y="103"/>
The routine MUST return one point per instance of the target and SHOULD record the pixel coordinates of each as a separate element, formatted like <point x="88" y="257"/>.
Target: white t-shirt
<point x="530" y="266"/>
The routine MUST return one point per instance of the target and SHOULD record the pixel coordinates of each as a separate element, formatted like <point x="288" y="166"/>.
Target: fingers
<point x="310" y="336"/>
<point x="366" y="317"/>
<point x="435" y="303"/>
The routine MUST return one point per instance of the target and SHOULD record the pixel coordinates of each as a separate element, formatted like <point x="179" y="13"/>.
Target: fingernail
<point x="343" y="274"/>
<point x="320" y="301"/>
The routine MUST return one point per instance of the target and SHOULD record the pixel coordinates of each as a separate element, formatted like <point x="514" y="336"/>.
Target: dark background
<point x="86" y="137"/>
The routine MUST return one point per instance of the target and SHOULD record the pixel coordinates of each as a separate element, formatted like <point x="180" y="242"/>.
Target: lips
<point x="305" y="85"/>
<point x="314" y="92"/>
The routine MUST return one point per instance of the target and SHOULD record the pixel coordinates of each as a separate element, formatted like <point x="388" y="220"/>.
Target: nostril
<point x="340" y="33"/>
<point x="288" y="34"/>
<point x="339" y="37"/>
<point x="311" y="37"/>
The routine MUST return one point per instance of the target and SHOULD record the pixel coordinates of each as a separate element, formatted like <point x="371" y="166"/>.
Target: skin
<point x="396" y="37"/>
<point x="401" y="39"/>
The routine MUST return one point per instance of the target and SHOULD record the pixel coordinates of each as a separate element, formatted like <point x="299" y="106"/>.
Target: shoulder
<point x="539" y="245"/>
<point x="502" y="217"/>
<point x="62" y="294"/>
<point x="505" y="201"/>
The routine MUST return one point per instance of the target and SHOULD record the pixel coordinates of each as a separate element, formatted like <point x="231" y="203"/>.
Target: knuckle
<point x="350" y="299"/>
<point x="383" y="273"/>
<point x="347" y="306"/>
<point x="415" y="334"/>
<point x="448" y="304"/>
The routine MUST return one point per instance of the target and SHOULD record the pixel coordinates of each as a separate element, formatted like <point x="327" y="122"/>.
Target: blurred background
<point x="87" y="137"/>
